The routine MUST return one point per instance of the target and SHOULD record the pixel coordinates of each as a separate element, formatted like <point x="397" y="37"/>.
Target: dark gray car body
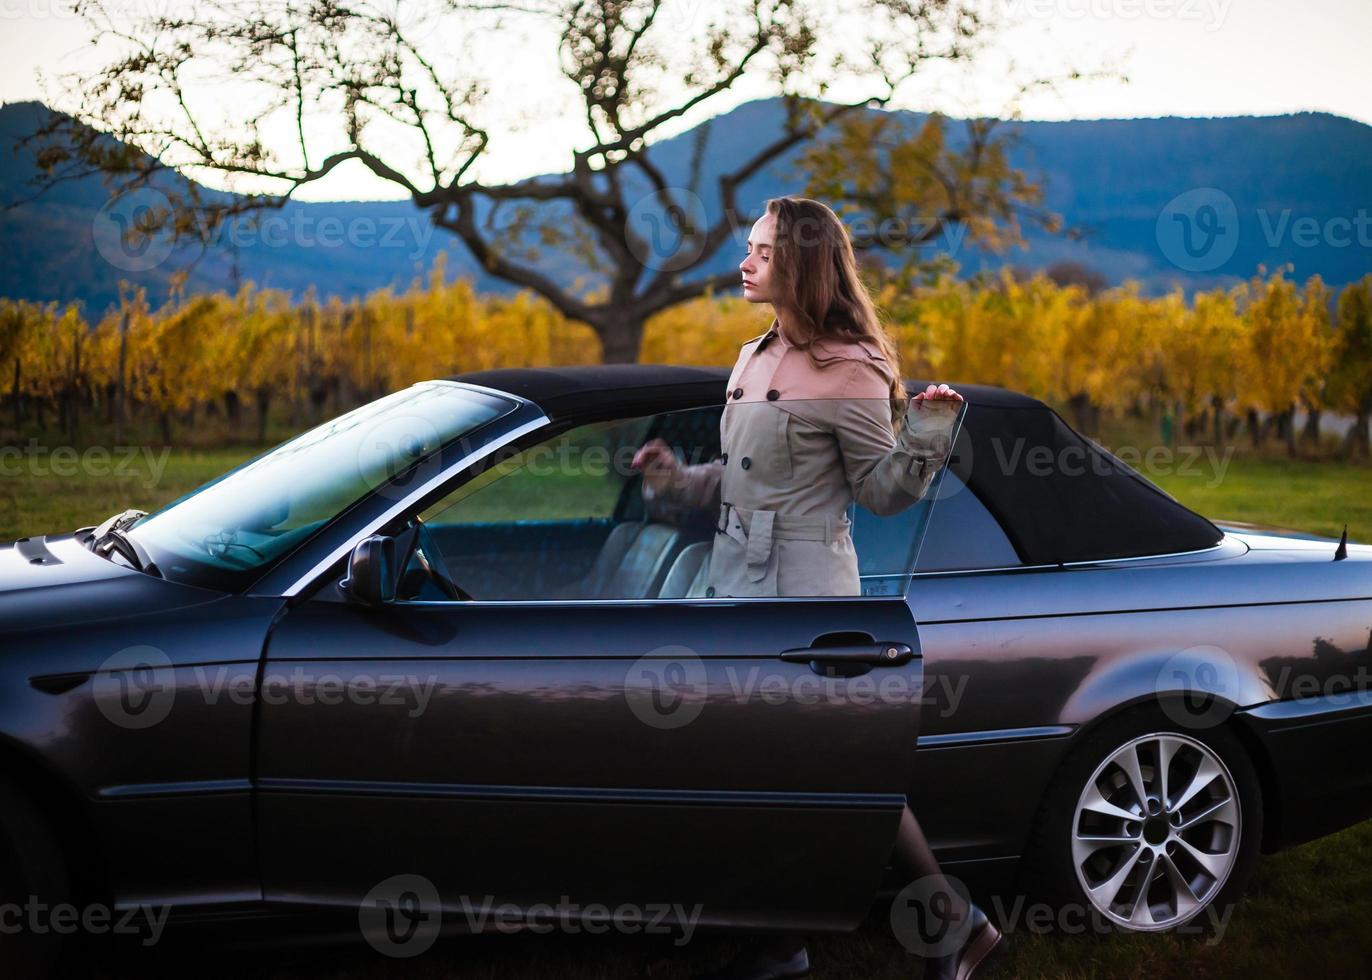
<point x="527" y="776"/>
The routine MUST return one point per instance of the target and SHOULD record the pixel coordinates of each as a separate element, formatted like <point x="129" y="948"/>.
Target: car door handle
<point x="875" y="654"/>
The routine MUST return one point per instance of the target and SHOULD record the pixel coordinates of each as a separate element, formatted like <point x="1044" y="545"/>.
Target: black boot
<point x="983" y="940"/>
<point x="783" y="958"/>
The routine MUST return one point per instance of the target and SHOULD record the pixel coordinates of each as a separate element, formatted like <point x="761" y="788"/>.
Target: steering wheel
<point x="430" y="558"/>
<point x="218" y="544"/>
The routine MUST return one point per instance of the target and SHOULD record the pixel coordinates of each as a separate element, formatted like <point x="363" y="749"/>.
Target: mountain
<point x="64" y="245"/>
<point x="1194" y="202"/>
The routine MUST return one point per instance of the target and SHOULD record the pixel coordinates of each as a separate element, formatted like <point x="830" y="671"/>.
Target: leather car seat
<point x="689" y="574"/>
<point x="633" y="561"/>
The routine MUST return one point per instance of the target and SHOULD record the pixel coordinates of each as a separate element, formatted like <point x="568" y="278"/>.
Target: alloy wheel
<point x="1156" y="831"/>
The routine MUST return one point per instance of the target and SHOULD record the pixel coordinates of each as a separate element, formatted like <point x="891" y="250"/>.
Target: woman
<point x="806" y="430"/>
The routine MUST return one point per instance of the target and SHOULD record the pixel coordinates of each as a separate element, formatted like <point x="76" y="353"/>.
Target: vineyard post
<point x="311" y="375"/>
<point x="74" y="387"/>
<point x="1217" y="407"/>
<point x="119" y="381"/>
<point x="298" y="388"/>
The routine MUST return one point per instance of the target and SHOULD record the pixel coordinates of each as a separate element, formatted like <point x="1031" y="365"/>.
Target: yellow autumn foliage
<point x="1265" y="344"/>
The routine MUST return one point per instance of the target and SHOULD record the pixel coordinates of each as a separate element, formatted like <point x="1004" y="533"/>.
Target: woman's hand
<point x="936" y="393"/>
<point x="658" y="463"/>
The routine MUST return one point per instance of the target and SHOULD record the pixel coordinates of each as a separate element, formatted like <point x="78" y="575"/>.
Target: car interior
<point x="525" y="530"/>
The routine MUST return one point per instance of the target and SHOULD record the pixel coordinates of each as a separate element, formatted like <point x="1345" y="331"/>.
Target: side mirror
<point x="371" y="572"/>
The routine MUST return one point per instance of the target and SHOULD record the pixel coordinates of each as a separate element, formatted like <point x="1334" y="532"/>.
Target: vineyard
<point x="1222" y="366"/>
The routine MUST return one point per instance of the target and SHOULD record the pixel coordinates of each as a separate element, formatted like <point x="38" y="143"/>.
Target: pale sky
<point x="1182" y="57"/>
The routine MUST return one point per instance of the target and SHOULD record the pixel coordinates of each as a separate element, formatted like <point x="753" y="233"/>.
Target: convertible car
<point x="444" y="639"/>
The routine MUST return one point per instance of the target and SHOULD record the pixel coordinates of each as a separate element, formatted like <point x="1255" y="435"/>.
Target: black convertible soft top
<point x="571" y="390"/>
<point x="1059" y="496"/>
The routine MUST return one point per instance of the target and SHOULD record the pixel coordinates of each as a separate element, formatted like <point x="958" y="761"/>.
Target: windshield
<point x="225" y="534"/>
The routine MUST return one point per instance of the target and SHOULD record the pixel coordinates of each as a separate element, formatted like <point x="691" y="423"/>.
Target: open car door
<point x="725" y="761"/>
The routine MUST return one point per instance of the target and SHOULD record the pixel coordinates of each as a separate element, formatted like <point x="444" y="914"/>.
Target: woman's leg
<point x="977" y="937"/>
<point x="918" y="861"/>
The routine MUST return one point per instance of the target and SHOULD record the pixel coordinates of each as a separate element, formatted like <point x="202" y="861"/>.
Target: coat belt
<point x="761" y="527"/>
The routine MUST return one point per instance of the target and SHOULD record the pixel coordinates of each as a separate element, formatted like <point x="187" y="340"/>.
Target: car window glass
<point x="962" y="533"/>
<point x="572" y="476"/>
<point x="571" y="518"/>
<point x="226" y="533"/>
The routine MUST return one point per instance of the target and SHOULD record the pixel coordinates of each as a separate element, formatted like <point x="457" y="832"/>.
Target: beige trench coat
<point x="800" y="443"/>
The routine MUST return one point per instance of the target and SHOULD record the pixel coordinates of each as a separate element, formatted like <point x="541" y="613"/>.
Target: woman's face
<point x="756" y="264"/>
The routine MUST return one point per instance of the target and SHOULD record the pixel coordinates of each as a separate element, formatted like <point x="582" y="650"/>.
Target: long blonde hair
<point x="812" y="263"/>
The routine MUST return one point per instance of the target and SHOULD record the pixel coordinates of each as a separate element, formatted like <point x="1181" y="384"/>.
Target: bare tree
<point x="375" y="84"/>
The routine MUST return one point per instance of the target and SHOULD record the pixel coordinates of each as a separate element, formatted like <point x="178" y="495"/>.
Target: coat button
<point x="724" y="458"/>
<point x="745" y="462"/>
<point x="773" y="395"/>
<point x="710" y="592"/>
<point x="738" y="392"/>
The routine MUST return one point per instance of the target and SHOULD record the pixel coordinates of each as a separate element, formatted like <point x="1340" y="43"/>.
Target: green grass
<point x="40" y="496"/>
<point x="41" y="501"/>
<point x="1305" y="916"/>
<point x="1316" y="497"/>
<point x="1306" y="913"/>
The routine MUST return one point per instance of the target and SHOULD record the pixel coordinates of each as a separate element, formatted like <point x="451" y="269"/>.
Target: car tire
<point x="1080" y="839"/>
<point x="33" y="875"/>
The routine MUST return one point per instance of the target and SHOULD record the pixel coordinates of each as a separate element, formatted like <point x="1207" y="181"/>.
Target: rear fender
<point x="1199" y="686"/>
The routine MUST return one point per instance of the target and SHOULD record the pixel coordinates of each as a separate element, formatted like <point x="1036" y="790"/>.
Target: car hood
<point x="56" y="580"/>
